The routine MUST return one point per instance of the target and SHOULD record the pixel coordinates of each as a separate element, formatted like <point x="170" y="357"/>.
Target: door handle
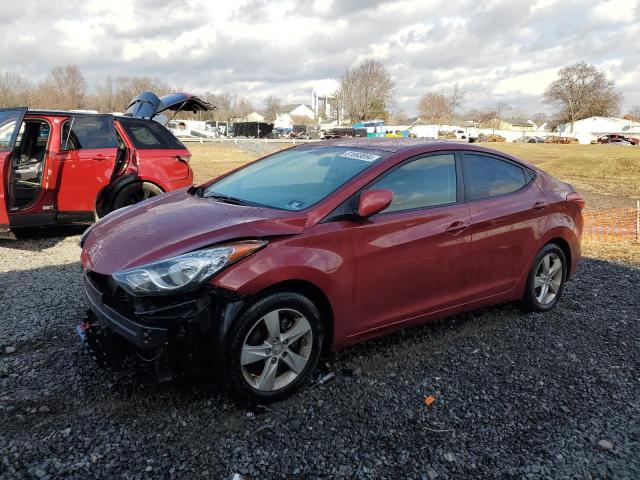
<point x="100" y="156"/>
<point x="540" y="206"/>
<point x="457" y="227"/>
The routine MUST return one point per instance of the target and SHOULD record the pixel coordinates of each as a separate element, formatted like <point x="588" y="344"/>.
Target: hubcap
<point x="276" y="349"/>
<point x="548" y="279"/>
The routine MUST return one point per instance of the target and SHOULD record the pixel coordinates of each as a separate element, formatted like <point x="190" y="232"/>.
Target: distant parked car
<point x="617" y="138"/>
<point x="255" y="274"/>
<point x="61" y="167"/>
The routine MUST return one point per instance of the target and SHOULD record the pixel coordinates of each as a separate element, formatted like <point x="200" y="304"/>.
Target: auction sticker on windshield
<point x="367" y="157"/>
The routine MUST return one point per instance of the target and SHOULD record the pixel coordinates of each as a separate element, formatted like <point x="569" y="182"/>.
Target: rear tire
<point x="546" y="280"/>
<point x="134" y="193"/>
<point x="274" y="347"/>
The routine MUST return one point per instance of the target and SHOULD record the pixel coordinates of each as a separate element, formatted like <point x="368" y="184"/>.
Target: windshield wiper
<point x="228" y="199"/>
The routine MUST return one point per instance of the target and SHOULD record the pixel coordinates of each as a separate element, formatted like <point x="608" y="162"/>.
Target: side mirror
<point x="373" y="201"/>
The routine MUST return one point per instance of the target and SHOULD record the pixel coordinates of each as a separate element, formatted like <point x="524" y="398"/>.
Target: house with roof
<point x="597" y="126"/>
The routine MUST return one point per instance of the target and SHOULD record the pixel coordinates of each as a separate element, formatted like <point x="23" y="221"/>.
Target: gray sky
<point x="498" y="51"/>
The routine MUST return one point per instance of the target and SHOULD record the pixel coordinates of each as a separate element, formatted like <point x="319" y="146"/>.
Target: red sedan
<point x="311" y="249"/>
<point x="61" y="167"/>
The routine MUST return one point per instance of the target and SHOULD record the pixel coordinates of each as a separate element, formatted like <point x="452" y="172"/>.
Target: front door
<point x="10" y="121"/>
<point x="87" y="158"/>
<point x="411" y="259"/>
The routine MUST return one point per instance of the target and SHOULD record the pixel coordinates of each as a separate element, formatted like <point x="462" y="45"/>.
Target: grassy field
<point x="594" y="169"/>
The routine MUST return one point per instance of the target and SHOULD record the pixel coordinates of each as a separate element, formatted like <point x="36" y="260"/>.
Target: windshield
<point x="294" y="179"/>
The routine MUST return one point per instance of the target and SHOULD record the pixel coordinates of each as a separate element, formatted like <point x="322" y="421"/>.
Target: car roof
<point x="390" y="145"/>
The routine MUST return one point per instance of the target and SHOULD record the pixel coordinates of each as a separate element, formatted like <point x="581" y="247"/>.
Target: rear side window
<point x="486" y="177"/>
<point x="425" y="182"/>
<point x="150" y="135"/>
<point x="91" y="131"/>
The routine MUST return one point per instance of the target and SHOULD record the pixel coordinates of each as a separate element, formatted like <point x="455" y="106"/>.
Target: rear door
<point x="508" y="215"/>
<point x="10" y="121"/>
<point x="88" y="156"/>
<point x="161" y="157"/>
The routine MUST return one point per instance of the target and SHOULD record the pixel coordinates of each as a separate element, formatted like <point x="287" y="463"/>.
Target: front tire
<point x="274" y="347"/>
<point x="546" y="280"/>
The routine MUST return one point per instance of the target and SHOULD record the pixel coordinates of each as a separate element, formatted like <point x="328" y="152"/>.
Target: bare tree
<point x="582" y="91"/>
<point x="435" y="108"/>
<point x="366" y="91"/>
<point x="272" y="107"/>
<point x="15" y="91"/>
<point x="634" y="114"/>
<point x="64" y="88"/>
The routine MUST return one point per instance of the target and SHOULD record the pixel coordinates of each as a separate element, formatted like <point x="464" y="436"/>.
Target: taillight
<point x="576" y="198"/>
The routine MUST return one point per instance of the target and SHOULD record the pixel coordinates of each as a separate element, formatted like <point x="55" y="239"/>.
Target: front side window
<point x="295" y="179"/>
<point x="88" y="132"/>
<point x="149" y="135"/>
<point x="425" y="182"/>
<point x="486" y="176"/>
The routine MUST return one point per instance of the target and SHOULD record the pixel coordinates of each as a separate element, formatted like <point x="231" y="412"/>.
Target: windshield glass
<point x="295" y="179"/>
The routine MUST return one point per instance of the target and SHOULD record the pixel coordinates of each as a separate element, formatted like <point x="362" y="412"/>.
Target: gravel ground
<point x="527" y="396"/>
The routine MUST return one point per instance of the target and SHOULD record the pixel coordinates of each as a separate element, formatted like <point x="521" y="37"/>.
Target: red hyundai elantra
<point x="255" y="274"/>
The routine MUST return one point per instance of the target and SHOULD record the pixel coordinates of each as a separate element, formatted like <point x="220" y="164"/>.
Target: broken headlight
<point x="185" y="272"/>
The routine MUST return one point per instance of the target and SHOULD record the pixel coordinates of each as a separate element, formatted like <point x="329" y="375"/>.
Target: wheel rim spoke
<point x="555" y="266"/>
<point x="543" y="293"/>
<point x="272" y="322"/>
<point x="271" y="359"/>
<point x="254" y="353"/>
<point x="546" y="263"/>
<point x="538" y="282"/>
<point x="554" y="285"/>
<point x="300" y="328"/>
<point x="294" y="361"/>
<point x="267" y="378"/>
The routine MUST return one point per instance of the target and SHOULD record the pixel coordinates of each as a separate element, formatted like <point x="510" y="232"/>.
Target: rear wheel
<point x="545" y="283"/>
<point x="275" y="347"/>
<point x="134" y="193"/>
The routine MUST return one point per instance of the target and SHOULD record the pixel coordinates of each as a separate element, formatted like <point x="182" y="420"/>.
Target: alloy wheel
<point x="548" y="279"/>
<point x="276" y="350"/>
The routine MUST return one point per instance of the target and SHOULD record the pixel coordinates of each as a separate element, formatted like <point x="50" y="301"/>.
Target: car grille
<point x="112" y="295"/>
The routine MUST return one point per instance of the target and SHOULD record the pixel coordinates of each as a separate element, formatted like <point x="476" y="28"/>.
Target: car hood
<point x="177" y="223"/>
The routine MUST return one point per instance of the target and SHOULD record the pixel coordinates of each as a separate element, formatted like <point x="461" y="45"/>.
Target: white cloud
<point x="497" y="51"/>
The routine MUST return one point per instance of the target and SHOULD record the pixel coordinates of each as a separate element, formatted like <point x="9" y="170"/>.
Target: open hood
<point x="175" y="223"/>
<point x="148" y="104"/>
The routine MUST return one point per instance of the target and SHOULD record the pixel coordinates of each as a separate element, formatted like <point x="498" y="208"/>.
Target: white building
<point x="597" y="126"/>
<point x="299" y="110"/>
<point x="255" y="117"/>
<point x="323" y="99"/>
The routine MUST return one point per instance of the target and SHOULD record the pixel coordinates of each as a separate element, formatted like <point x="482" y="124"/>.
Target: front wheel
<point x="546" y="280"/>
<point x="275" y="347"/>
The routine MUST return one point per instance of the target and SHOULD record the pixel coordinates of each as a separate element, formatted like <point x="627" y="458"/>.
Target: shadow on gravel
<point x="41" y="238"/>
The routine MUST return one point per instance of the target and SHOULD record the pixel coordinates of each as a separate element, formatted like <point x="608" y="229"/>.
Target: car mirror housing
<point x="373" y="201"/>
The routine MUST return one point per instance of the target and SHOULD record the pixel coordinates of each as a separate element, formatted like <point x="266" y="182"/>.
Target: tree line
<point x="366" y="92"/>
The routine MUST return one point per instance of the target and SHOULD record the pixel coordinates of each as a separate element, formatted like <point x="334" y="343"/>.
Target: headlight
<point x="184" y="272"/>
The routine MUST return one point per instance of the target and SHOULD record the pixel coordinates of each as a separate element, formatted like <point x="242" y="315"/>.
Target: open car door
<point x="148" y="104"/>
<point x="10" y="121"/>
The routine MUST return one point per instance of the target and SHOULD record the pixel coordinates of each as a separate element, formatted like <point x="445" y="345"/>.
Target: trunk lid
<point x="148" y="104"/>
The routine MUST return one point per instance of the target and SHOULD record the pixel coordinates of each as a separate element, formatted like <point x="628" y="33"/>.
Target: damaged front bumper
<point x="181" y="333"/>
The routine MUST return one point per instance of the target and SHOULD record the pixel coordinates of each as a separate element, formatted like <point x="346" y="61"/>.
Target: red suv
<point x="71" y="166"/>
<point x="317" y="247"/>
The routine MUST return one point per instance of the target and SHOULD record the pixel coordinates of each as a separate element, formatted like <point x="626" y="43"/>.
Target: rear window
<point x="486" y="176"/>
<point x="147" y="134"/>
<point x="87" y="132"/>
